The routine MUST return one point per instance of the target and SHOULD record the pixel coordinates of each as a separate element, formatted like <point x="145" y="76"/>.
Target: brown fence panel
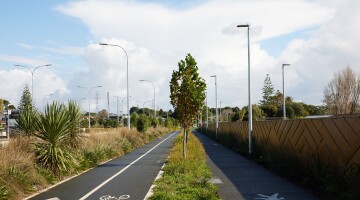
<point x="335" y="141"/>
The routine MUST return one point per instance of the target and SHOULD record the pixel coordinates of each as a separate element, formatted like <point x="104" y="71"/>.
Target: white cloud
<point x="157" y="37"/>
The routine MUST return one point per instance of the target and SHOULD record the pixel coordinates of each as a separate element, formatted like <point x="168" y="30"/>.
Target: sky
<point x="317" y="37"/>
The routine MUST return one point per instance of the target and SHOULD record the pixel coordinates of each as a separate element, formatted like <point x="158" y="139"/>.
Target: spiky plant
<point x="26" y="121"/>
<point x="74" y="114"/>
<point x="53" y="128"/>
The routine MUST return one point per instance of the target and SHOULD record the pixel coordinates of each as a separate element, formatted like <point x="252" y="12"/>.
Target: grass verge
<point x="185" y="179"/>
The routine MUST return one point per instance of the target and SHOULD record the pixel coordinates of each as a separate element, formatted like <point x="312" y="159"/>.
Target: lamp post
<point x="207" y="115"/>
<point x="220" y="111"/>
<point x="122" y="104"/>
<point x="90" y="99"/>
<point x="216" y="111"/>
<point x="249" y="86"/>
<point x="127" y="79"/>
<point x="117" y="107"/>
<point x="154" y="95"/>
<point x="284" y="97"/>
<point x="32" y="76"/>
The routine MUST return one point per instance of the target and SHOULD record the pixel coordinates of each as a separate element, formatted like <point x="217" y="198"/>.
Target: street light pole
<point x="117" y="107"/>
<point x="32" y="76"/>
<point x="207" y="115"/>
<point x="127" y="79"/>
<point x="249" y="87"/>
<point x="216" y="111"/>
<point x="154" y="95"/>
<point x="90" y="98"/>
<point x="220" y="111"/>
<point x="284" y="97"/>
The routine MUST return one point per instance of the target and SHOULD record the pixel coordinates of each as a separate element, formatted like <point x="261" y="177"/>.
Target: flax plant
<point x="53" y="128"/>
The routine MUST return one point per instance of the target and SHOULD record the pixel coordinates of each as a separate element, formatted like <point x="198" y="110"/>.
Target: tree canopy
<point x="26" y="100"/>
<point x="341" y="95"/>
<point x="187" y="91"/>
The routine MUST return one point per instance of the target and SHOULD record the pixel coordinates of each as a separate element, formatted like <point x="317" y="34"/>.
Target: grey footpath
<point x="132" y="183"/>
<point x="239" y="178"/>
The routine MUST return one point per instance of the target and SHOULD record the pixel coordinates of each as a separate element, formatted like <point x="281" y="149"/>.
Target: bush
<point x="133" y="119"/>
<point x="143" y="123"/>
<point x="154" y="122"/>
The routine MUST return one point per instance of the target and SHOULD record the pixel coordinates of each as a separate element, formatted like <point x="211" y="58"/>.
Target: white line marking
<point x="151" y="190"/>
<point x="55" y="198"/>
<point x="121" y="171"/>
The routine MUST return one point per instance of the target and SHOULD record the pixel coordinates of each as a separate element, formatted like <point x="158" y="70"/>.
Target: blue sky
<point x="158" y="33"/>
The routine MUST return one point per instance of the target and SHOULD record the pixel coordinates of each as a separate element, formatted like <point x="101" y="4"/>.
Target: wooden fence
<point x="334" y="141"/>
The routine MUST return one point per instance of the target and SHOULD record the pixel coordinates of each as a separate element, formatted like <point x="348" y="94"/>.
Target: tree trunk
<point x="184" y="143"/>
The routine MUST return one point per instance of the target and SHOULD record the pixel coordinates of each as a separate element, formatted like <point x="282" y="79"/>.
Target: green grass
<point x="186" y="178"/>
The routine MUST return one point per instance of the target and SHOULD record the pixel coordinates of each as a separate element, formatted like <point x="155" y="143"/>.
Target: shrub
<point x="154" y="122"/>
<point x="142" y="123"/>
<point x="26" y="120"/>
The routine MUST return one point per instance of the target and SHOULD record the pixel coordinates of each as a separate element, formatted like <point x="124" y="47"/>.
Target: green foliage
<point x="27" y="120"/>
<point x="143" y="123"/>
<point x="187" y="91"/>
<point x="257" y="113"/>
<point x="154" y="122"/>
<point x="268" y="91"/>
<point x="133" y="119"/>
<point x="134" y="110"/>
<point x="5" y="193"/>
<point x="53" y="128"/>
<point x="26" y="100"/>
<point x="169" y="122"/>
<point x="108" y="123"/>
<point x="74" y="114"/>
<point x="185" y="179"/>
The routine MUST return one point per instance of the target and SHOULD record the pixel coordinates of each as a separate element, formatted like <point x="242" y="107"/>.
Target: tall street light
<point x="32" y="76"/>
<point x="207" y="115"/>
<point x="90" y="99"/>
<point x="154" y="95"/>
<point x="249" y="88"/>
<point x="284" y="97"/>
<point x="127" y="79"/>
<point x="117" y="107"/>
<point x="217" y="116"/>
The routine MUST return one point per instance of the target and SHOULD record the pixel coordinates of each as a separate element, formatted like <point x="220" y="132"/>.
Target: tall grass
<point x="18" y="175"/>
<point x="186" y="178"/>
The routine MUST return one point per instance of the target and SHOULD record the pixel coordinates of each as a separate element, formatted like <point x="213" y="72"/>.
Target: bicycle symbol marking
<point x="108" y="197"/>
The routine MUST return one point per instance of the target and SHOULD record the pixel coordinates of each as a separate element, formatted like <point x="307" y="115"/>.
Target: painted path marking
<point x="121" y="171"/>
<point x="272" y="197"/>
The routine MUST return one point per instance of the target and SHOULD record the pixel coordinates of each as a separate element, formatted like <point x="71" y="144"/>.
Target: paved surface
<point x="239" y="178"/>
<point x="126" y="177"/>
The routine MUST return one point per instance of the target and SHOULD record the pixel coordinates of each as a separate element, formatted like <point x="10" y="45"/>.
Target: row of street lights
<point x="249" y="94"/>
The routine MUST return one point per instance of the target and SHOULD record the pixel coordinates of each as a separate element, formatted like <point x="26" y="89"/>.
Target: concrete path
<point x="126" y="177"/>
<point x="239" y="178"/>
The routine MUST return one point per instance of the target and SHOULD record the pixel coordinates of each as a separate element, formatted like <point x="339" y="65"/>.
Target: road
<point x="126" y="177"/>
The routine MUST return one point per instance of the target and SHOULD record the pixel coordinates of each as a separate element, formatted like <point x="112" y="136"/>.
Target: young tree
<point x="26" y="100"/>
<point x="268" y="91"/>
<point x="341" y="95"/>
<point x="187" y="93"/>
